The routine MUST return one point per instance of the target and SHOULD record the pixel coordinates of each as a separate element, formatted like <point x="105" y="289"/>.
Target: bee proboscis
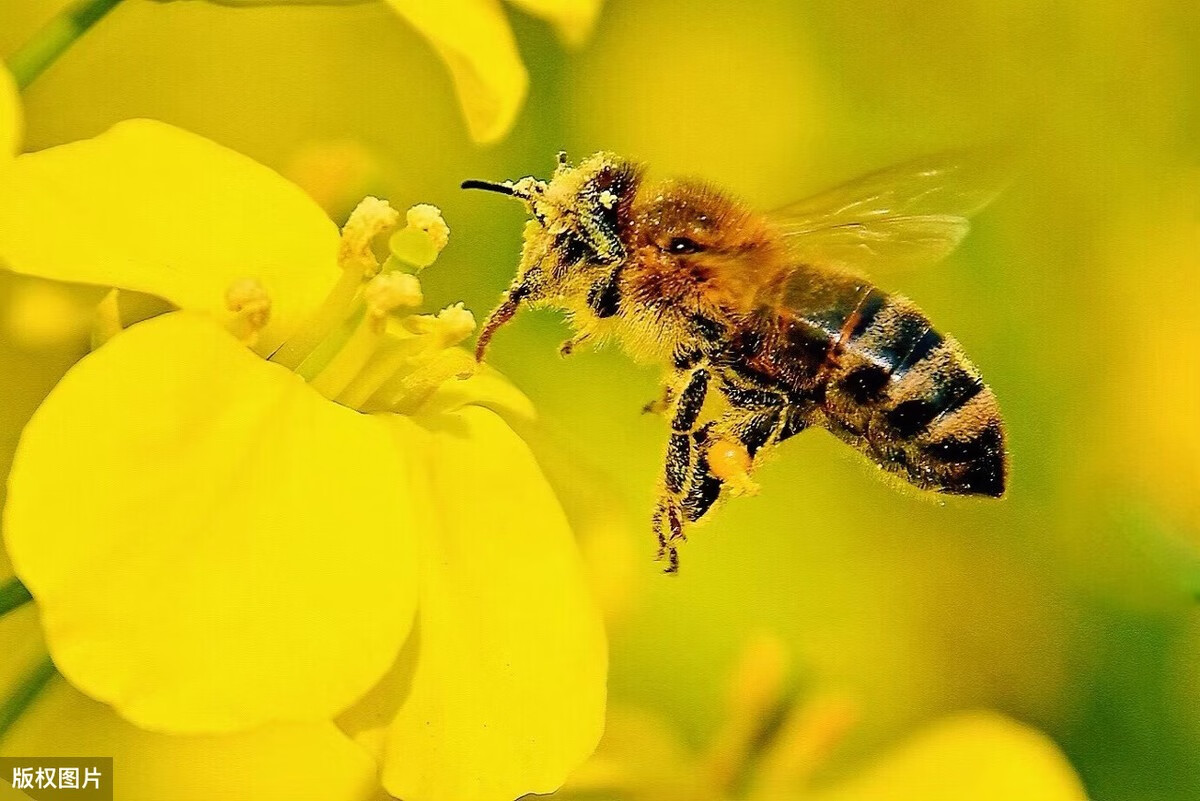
<point x="766" y="322"/>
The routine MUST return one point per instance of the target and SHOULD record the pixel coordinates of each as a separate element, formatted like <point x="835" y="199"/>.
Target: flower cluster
<point x="292" y="500"/>
<point x="774" y="742"/>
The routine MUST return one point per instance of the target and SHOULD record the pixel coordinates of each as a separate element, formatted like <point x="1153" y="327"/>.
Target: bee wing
<point x="911" y="214"/>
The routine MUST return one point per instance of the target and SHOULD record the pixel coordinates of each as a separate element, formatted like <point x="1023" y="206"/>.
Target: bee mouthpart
<point x="489" y="186"/>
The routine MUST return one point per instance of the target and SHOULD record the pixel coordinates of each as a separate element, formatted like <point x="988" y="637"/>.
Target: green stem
<point x="12" y="595"/>
<point x="55" y="37"/>
<point x="29" y="688"/>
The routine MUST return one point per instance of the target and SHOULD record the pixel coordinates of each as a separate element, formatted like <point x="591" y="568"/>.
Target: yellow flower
<point x="276" y="762"/>
<point x="215" y="545"/>
<point x="475" y="41"/>
<point x="10" y="115"/>
<point x="770" y="746"/>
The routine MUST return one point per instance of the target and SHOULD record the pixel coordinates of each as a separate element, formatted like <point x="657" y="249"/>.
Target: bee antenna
<point x="488" y="186"/>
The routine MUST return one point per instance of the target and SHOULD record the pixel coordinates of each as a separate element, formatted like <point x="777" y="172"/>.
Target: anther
<point x="389" y="292"/>
<point x="449" y="327"/>
<point x="422" y="238"/>
<point x="370" y="219"/>
<point x="428" y="218"/>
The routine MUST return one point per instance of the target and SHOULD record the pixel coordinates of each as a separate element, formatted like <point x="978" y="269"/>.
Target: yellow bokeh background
<point x="1070" y="605"/>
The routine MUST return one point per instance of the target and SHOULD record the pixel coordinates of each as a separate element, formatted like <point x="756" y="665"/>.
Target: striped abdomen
<point x="907" y="396"/>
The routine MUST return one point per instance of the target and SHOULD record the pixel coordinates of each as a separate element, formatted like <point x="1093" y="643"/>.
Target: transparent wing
<point x="911" y="214"/>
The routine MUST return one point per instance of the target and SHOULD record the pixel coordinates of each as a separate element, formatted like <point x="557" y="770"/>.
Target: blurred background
<point x="1071" y="605"/>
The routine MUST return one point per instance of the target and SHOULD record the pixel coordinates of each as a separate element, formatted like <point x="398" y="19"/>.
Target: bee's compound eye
<point x="681" y="245"/>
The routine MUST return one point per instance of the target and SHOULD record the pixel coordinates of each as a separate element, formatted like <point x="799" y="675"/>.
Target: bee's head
<point x="695" y="222"/>
<point x="579" y="218"/>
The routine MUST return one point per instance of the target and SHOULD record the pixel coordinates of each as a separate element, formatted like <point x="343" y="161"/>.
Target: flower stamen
<point x="432" y="359"/>
<point x="371" y="219"/>
<point x="354" y="349"/>
<point x="389" y="292"/>
<point x="383" y="295"/>
<point x="422" y="238"/>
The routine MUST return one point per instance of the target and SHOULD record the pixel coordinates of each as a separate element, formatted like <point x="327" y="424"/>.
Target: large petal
<point x="212" y="544"/>
<point x="10" y="115"/>
<point x="982" y="756"/>
<point x="473" y="38"/>
<point x="150" y="207"/>
<point x="283" y="762"/>
<point x="508" y="671"/>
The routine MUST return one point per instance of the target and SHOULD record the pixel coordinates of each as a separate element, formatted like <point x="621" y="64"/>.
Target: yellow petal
<point x="473" y="38"/>
<point x="574" y="19"/>
<point x="977" y="755"/>
<point x="212" y="544"/>
<point x="286" y="761"/>
<point x="153" y="208"/>
<point x="10" y="115"/>
<point x="507" y="691"/>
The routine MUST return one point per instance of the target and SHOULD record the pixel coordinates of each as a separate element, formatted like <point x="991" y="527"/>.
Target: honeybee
<point x="773" y="312"/>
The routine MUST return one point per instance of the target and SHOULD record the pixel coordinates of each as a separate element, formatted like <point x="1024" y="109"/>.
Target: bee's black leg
<point x="669" y="515"/>
<point x="727" y="448"/>
<point x="703" y="458"/>
<point x="703" y="486"/>
<point x="666" y="523"/>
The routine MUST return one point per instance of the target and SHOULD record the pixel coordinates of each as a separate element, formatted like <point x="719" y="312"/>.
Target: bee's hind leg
<point x="670" y="514"/>
<point x="668" y="527"/>
<point x="704" y="460"/>
<point x="725" y="453"/>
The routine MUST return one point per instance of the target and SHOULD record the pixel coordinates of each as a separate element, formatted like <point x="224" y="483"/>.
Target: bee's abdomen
<point x="910" y="398"/>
